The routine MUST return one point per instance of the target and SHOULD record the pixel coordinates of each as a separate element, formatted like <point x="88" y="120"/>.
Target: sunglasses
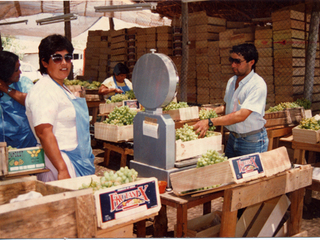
<point x="235" y="60"/>
<point x="57" y="58"/>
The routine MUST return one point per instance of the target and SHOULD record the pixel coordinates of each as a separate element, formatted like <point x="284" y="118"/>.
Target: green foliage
<point x="305" y="103"/>
<point x="11" y="44"/>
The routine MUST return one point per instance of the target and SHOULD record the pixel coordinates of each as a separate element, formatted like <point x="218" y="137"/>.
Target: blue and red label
<point x="247" y="166"/>
<point x="128" y="200"/>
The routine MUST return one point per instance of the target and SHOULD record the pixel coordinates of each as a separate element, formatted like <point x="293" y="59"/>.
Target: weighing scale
<point x="155" y="79"/>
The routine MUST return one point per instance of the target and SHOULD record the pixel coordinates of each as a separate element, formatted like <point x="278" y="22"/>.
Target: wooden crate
<point x="183" y="114"/>
<point x="113" y="133"/>
<point x="108" y="107"/>
<point x="60" y="213"/>
<point x="3" y="159"/>
<point x="235" y="170"/>
<point x="120" y="205"/>
<point x="305" y="135"/>
<point x="92" y="95"/>
<point x="285" y="117"/>
<point x="189" y="149"/>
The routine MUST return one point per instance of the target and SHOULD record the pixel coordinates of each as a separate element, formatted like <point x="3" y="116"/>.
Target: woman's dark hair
<point x="248" y="51"/>
<point x="120" y="68"/>
<point x="8" y="62"/>
<point x="50" y="45"/>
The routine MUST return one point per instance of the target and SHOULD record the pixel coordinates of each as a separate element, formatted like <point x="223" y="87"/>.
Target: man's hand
<point x="201" y="127"/>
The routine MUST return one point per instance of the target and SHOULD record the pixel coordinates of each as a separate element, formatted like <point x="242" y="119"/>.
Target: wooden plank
<point x="121" y="232"/>
<point x="296" y="209"/>
<point x="305" y="135"/>
<point x="263" y="33"/>
<point x="113" y="133"/>
<point x="289" y="62"/>
<point x="263" y="43"/>
<point x="229" y="217"/>
<point x="287" y="14"/>
<point x="288" y="24"/>
<point x="288" y="33"/>
<point x="259" y="191"/>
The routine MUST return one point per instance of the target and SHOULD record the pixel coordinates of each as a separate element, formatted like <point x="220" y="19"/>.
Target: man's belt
<point x="243" y="135"/>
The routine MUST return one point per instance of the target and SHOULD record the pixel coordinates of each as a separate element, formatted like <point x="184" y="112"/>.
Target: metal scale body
<point x="154" y="80"/>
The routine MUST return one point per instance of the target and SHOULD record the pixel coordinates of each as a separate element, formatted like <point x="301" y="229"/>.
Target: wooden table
<point x="94" y="105"/>
<point x="237" y="196"/>
<point x="299" y="151"/>
<point x="275" y="133"/>
<point x="123" y="150"/>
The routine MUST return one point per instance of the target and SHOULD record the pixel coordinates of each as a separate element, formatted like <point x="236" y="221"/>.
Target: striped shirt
<point x="251" y="94"/>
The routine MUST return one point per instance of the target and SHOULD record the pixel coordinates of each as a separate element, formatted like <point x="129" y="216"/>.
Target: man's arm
<point x="202" y="126"/>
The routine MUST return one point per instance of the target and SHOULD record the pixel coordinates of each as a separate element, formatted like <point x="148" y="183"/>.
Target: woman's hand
<point x="201" y="127"/>
<point x="117" y="90"/>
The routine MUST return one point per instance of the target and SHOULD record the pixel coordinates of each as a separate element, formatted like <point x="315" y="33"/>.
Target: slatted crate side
<point x="113" y="133"/>
<point x="63" y="214"/>
<point x="305" y="135"/>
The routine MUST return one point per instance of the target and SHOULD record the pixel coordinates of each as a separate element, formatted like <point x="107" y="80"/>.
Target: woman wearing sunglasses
<point x="116" y="84"/>
<point x="14" y="126"/>
<point x="245" y="99"/>
<point x="60" y="119"/>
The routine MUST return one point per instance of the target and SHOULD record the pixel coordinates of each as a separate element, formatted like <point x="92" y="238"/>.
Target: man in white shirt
<point x="245" y="100"/>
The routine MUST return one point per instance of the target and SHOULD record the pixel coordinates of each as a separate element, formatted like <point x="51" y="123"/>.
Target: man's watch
<point x="9" y="90"/>
<point x="210" y="122"/>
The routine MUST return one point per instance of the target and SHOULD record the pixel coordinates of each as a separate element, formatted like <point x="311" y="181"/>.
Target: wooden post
<point x="228" y="219"/>
<point x="296" y="209"/>
<point x="67" y="30"/>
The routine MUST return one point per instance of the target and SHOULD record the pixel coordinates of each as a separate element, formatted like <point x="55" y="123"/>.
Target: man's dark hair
<point x="51" y="44"/>
<point x="120" y="68"/>
<point x="248" y="51"/>
<point x="8" y="62"/>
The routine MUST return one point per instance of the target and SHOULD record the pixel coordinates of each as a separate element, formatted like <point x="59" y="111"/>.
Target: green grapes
<point x="175" y="105"/>
<point x="205" y="114"/>
<point x="309" y="123"/>
<point x="121" y="97"/>
<point x="187" y="133"/>
<point x="121" y="116"/>
<point x="211" y="157"/>
<point x="85" y="84"/>
<point x="110" y="179"/>
<point x="283" y="106"/>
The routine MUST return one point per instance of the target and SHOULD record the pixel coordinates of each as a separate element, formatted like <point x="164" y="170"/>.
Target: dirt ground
<point x="311" y="211"/>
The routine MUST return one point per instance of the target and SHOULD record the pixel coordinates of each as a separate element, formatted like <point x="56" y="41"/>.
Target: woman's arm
<point x="20" y="97"/>
<point x="103" y="90"/>
<point x="50" y="146"/>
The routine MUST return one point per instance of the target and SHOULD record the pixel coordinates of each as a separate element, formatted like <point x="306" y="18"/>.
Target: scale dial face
<point x="154" y="80"/>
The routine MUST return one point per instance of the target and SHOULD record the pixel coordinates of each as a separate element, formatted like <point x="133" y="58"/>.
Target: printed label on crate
<point x="129" y="200"/>
<point x="25" y="159"/>
<point x="247" y="166"/>
<point x="132" y="104"/>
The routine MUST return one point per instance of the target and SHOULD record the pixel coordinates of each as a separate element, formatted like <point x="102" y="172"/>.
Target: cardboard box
<point x="25" y="159"/>
<point x="113" y="133"/>
<point x="305" y="135"/>
<point x="59" y="213"/>
<point x="184" y="113"/>
<point x="198" y="147"/>
<point x="122" y="204"/>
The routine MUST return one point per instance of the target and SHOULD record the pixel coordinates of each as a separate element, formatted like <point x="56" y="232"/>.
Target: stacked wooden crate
<point x="131" y="49"/>
<point x="141" y="42"/>
<point x="97" y="54"/>
<point x="176" y="41"/>
<point x="151" y="39"/>
<point x="118" y="48"/>
<point x="316" y="80"/>
<point x="264" y="67"/>
<point x="203" y="30"/>
<point x="289" y="54"/>
<point x="164" y="40"/>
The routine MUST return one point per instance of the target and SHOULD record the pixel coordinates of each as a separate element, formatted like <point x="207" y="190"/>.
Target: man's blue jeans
<point x="251" y="144"/>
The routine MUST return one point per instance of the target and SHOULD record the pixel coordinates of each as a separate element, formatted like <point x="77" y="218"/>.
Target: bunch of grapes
<point x="130" y="94"/>
<point x="110" y="179"/>
<point x="309" y="123"/>
<point x="117" y="98"/>
<point x="187" y="133"/>
<point x="86" y="84"/>
<point x="208" y="113"/>
<point x="283" y="106"/>
<point x="121" y="116"/>
<point x="175" y="105"/>
<point x="210" y="157"/>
